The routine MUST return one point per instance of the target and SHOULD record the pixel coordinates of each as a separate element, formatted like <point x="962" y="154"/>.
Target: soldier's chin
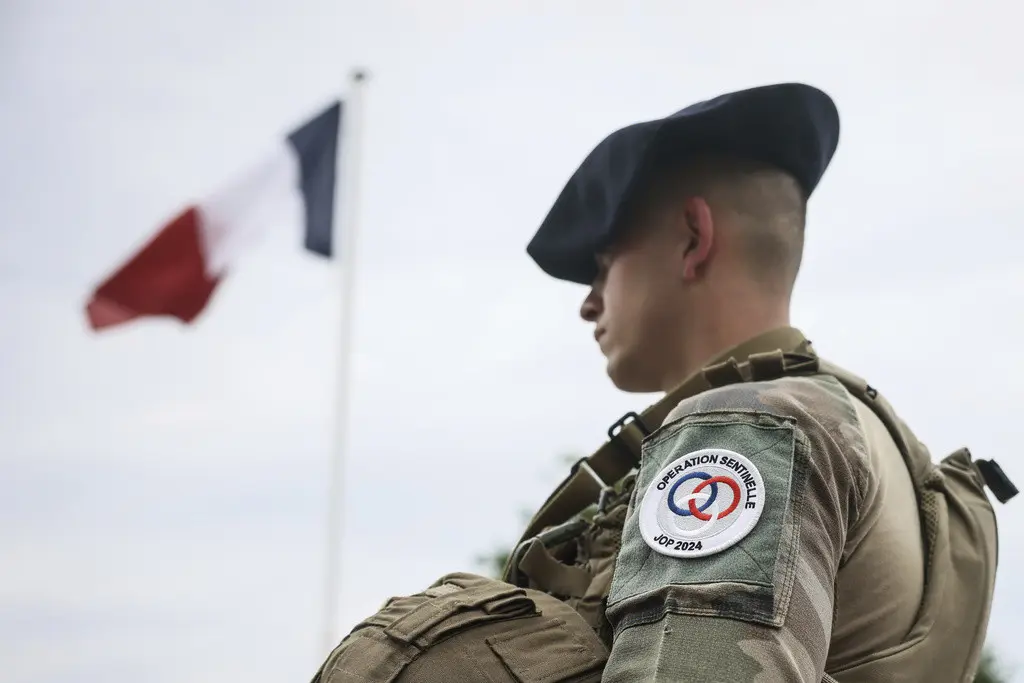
<point x="629" y="376"/>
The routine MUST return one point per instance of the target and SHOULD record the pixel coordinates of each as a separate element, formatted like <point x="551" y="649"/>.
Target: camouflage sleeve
<point x="735" y="534"/>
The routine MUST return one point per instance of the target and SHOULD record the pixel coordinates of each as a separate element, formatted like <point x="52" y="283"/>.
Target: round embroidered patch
<point x="702" y="503"/>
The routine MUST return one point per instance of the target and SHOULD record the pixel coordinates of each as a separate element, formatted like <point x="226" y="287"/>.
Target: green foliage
<point x="494" y="563"/>
<point x="990" y="670"/>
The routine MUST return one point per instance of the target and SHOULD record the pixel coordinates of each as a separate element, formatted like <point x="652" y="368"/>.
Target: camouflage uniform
<point x="866" y="561"/>
<point x="840" y="525"/>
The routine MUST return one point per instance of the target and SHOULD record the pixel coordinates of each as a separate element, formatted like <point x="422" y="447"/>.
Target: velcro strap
<point x="724" y="373"/>
<point x="766" y="366"/>
<point x="442" y="589"/>
<point x="480" y="602"/>
<point x="799" y="363"/>
<point x="761" y="367"/>
<point x="550" y="575"/>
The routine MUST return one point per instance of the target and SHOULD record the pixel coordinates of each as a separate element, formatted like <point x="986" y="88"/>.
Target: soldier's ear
<point x="700" y="233"/>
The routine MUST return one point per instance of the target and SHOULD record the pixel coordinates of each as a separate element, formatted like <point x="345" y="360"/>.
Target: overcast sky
<point x="162" y="491"/>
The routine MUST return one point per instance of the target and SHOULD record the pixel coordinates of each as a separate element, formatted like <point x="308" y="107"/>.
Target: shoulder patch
<point x="737" y="556"/>
<point x="701" y="503"/>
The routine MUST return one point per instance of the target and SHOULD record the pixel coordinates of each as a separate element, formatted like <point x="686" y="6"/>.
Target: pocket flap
<point x="546" y="651"/>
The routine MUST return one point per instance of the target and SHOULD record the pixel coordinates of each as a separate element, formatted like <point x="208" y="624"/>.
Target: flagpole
<point x="345" y="231"/>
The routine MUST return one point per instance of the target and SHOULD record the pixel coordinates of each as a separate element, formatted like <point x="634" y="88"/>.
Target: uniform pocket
<point x="547" y="651"/>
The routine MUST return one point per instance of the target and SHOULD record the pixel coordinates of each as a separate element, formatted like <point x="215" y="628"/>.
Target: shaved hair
<point x="768" y="205"/>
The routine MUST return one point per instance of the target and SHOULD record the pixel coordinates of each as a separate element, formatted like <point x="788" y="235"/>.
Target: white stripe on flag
<point x="237" y="217"/>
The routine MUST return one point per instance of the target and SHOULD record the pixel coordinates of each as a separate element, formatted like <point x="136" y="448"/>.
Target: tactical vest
<point x="480" y="629"/>
<point x="466" y="628"/>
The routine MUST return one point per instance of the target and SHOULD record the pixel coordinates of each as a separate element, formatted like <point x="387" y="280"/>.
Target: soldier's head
<point x="708" y="250"/>
<point x="689" y="229"/>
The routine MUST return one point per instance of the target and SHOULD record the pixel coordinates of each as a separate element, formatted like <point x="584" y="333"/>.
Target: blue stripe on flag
<point x="316" y="143"/>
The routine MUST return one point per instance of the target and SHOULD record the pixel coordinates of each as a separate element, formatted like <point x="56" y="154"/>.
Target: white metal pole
<point x="345" y="231"/>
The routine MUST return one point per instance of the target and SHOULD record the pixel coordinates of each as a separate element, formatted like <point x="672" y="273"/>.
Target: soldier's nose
<point x="590" y="309"/>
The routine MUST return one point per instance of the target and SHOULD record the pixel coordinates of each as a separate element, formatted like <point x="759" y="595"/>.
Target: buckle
<point x="621" y="423"/>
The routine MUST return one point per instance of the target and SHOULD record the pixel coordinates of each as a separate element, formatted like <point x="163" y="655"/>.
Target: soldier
<point x="769" y="519"/>
<point x="774" y="531"/>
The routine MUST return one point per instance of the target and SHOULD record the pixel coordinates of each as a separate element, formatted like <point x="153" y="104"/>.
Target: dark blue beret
<point x="791" y="126"/>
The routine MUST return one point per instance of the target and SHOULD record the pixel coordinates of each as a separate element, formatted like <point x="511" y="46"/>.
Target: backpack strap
<point x="993" y="476"/>
<point x="772" y="365"/>
<point x="593" y="478"/>
<point x="920" y="468"/>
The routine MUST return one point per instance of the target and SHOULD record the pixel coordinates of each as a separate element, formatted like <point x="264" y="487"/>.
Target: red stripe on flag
<point x="167" y="277"/>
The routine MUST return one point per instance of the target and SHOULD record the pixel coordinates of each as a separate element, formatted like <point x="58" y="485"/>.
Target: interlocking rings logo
<point x="691" y="499"/>
<point x="702" y="503"/>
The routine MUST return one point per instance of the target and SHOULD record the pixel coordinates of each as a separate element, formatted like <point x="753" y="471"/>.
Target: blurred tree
<point x="990" y="670"/>
<point x="493" y="564"/>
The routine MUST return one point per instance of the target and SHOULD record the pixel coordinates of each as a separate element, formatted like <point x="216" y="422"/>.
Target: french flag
<point x="176" y="272"/>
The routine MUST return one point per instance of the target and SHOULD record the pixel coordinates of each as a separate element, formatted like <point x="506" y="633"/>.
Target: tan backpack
<point x="961" y="555"/>
<point x="479" y="629"/>
<point x="959" y="530"/>
<point x="466" y="628"/>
